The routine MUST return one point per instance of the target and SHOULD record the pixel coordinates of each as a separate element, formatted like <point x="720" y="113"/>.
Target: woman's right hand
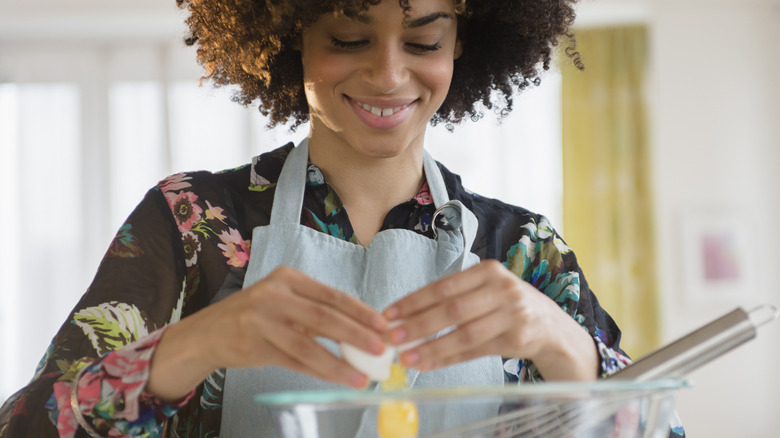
<point x="273" y="322"/>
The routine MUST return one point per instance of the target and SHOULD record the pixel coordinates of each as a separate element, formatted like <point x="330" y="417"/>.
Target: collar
<point x="266" y="168"/>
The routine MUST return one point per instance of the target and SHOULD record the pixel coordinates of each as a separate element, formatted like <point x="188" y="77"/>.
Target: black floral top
<point x="190" y="239"/>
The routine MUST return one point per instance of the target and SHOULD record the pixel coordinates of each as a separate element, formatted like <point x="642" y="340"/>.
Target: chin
<point x="386" y="148"/>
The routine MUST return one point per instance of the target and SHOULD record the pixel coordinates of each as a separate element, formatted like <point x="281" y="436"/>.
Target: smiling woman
<point x="222" y="285"/>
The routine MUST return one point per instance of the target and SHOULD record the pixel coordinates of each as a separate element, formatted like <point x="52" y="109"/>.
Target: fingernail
<point x="376" y="346"/>
<point x="392" y="312"/>
<point x="358" y="381"/>
<point x="397" y="335"/>
<point x="410" y="358"/>
<point x="379" y="323"/>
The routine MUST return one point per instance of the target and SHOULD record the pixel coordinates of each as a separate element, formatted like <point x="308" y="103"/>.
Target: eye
<point x="347" y="45"/>
<point x="423" y="48"/>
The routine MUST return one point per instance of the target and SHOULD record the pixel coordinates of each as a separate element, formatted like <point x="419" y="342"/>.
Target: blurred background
<point x="658" y="163"/>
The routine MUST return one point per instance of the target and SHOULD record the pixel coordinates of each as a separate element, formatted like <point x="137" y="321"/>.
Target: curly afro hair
<point x="253" y="44"/>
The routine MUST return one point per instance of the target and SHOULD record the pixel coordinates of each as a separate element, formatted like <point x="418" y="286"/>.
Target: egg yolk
<point x="397" y="379"/>
<point x="397" y="419"/>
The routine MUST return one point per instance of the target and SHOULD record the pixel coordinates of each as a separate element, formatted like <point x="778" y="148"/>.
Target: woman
<point x="182" y="315"/>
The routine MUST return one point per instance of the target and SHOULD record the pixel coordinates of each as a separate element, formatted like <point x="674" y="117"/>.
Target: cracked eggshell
<point x="376" y="367"/>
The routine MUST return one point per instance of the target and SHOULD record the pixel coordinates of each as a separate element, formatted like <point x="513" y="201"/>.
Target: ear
<point x="458" y="49"/>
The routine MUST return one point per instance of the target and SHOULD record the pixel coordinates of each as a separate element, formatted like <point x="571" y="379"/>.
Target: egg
<point x="376" y="367"/>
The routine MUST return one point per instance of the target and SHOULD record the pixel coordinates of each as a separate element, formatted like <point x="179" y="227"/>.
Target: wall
<point x="716" y="137"/>
<point x="716" y="144"/>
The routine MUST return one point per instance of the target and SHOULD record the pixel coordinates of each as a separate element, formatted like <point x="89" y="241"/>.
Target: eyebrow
<point x="411" y="24"/>
<point x="422" y="21"/>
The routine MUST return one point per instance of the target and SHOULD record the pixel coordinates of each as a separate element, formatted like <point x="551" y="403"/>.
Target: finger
<point x="302" y="329"/>
<point x="458" y="310"/>
<point x="486" y="349"/>
<point x="320" y="320"/>
<point x="455" y="312"/>
<point x="441" y="290"/>
<point x="307" y="287"/>
<point x="317" y="309"/>
<point x="472" y="336"/>
<point x="309" y="357"/>
<point x="357" y="380"/>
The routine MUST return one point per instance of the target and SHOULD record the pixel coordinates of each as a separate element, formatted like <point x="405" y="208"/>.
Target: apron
<point x="396" y="263"/>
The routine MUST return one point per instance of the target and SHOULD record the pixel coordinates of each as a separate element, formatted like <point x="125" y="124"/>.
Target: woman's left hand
<point x="494" y="313"/>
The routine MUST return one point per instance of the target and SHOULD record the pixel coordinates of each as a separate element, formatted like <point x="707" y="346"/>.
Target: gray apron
<point x="396" y="263"/>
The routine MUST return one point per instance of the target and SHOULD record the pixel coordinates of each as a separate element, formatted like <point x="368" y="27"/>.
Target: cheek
<point x="322" y="73"/>
<point x="437" y="78"/>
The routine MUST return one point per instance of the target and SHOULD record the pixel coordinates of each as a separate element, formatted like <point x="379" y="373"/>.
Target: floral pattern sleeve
<point x="109" y="394"/>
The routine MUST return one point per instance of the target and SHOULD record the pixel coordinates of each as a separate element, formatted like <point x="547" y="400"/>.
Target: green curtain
<point x="607" y="199"/>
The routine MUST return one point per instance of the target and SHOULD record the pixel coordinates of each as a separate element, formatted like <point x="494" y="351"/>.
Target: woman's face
<point x="374" y="82"/>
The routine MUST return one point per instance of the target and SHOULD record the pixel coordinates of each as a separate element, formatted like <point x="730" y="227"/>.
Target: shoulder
<point x="195" y="196"/>
<point x="263" y="170"/>
<point x="524" y="241"/>
<point x="191" y="194"/>
<point x="203" y="183"/>
<point x="493" y="214"/>
<point x="215" y="212"/>
<point x="266" y="168"/>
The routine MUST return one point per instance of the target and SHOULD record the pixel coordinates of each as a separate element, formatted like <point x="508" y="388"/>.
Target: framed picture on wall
<point x="716" y="260"/>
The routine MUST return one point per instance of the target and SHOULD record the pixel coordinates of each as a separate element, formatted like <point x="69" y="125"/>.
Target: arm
<point x="562" y="332"/>
<point x="272" y="322"/>
<point x="155" y="272"/>
<point x="542" y="259"/>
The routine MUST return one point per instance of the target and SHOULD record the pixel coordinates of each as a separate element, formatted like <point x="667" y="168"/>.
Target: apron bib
<point x="396" y="263"/>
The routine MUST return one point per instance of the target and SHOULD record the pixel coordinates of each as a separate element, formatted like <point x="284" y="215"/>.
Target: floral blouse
<point x="188" y="240"/>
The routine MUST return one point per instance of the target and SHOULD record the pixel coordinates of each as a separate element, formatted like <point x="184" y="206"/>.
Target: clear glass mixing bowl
<point x="615" y="409"/>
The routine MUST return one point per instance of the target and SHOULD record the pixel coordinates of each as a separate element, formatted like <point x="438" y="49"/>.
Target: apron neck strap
<point x="288" y="198"/>
<point x="459" y="217"/>
<point x="435" y="181"/>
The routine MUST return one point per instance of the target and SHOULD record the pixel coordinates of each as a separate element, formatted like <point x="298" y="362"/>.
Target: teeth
<point x="387" y="112"/>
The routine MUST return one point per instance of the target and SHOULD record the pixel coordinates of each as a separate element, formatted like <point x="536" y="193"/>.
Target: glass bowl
<point x="600" y="409"/>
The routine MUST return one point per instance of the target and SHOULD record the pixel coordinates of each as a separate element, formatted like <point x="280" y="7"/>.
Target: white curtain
<point x="87" y="127"/>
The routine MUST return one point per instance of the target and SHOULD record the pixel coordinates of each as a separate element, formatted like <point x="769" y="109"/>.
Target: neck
<point x="369" y="186"/>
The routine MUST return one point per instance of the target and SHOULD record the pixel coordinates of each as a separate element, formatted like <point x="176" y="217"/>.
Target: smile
<point x="381" y="112"/>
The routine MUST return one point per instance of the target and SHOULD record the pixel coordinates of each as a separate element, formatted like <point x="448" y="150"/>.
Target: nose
<point x="386" y="69"/>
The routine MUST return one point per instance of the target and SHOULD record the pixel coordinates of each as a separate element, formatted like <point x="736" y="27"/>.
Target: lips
<point x="382" y="113"/>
